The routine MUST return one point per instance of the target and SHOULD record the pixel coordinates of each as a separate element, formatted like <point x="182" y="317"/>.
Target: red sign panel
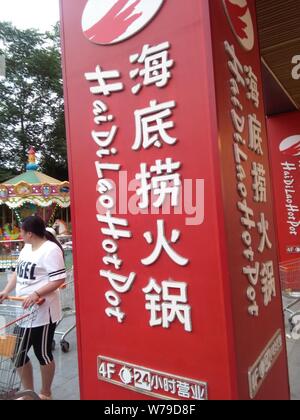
<point x="251" y="240"/>
<point x="284" y="144"/>
<point x="154" y="299"/>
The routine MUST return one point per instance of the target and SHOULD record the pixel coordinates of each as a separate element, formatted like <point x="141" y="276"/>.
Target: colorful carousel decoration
<point x="32" y="193"/>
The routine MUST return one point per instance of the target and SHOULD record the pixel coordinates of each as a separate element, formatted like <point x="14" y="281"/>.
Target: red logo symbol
<point x="239" y="16"/>
<point x="290" y="146"/>
<point x="110" y="21"/>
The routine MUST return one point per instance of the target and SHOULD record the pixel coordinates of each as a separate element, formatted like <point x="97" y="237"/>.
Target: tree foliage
<point x="6" y="174"/>
<point x="31" y="100"/>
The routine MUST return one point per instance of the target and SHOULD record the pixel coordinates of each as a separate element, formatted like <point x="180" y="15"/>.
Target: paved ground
<point x="66" y="386"/>
<point x="293" y="350"/>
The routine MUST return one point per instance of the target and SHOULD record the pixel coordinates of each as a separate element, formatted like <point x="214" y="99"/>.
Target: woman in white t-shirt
<point x="39" y="274"/>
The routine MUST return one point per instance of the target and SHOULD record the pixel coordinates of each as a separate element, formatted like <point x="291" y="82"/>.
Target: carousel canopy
<point x="34" y="187"/>
<point x="32" y="177"/>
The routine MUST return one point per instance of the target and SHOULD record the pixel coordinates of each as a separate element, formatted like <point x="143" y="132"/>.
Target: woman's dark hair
<point x="36" y="225"/>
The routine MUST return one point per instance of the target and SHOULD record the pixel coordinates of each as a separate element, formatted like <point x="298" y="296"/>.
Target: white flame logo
<point x="107" y="22"/>
<point x="240" y="19"/>
<point x="291" y="146"/>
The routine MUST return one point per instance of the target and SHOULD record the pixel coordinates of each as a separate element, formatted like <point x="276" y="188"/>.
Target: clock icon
<point x="126" y="375"/>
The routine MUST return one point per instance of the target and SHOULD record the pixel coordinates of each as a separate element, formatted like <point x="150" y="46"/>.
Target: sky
<point x="24" y="14"/>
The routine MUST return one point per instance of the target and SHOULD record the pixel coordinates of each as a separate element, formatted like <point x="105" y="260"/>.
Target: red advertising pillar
<point x="284" y="145"/>
<point x="177" y="282"/>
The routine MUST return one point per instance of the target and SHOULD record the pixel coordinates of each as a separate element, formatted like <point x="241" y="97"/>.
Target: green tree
<point x="6" y="174"/>
<point x="31" y="100"/>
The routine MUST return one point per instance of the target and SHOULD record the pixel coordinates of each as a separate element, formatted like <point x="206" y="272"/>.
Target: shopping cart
<point x="290" y="286"/>
<point x="15" y="327"/>
<point x="68" y="310"/>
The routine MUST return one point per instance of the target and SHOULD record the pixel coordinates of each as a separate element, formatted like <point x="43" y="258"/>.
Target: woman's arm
<point x="11" y="285"/>
<point x="42" y="292"/>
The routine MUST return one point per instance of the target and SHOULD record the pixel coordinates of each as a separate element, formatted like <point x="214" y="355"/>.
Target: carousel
<point x="31" y="193"/>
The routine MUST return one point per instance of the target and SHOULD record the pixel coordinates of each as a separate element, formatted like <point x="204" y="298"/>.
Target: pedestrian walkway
<point x="293" y="349"/>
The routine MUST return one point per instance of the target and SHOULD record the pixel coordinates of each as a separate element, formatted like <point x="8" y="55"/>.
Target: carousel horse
<point x="60" y="227"/>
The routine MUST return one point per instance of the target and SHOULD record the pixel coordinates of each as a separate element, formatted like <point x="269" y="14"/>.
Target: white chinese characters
<point x="168" y="302"/>
<point x="152" y="125"/>
<point x="151" y="66"/>
<point x="164" y="183"/>
<point x="247" y="143"/>
<point x="163" y="244"/>
<point x="156" y="66"/>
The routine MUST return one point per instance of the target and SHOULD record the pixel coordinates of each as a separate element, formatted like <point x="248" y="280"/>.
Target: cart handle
<point x="22" y="298"/>
<point x="19" y="299"/>
<point x="65" y="285"/>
